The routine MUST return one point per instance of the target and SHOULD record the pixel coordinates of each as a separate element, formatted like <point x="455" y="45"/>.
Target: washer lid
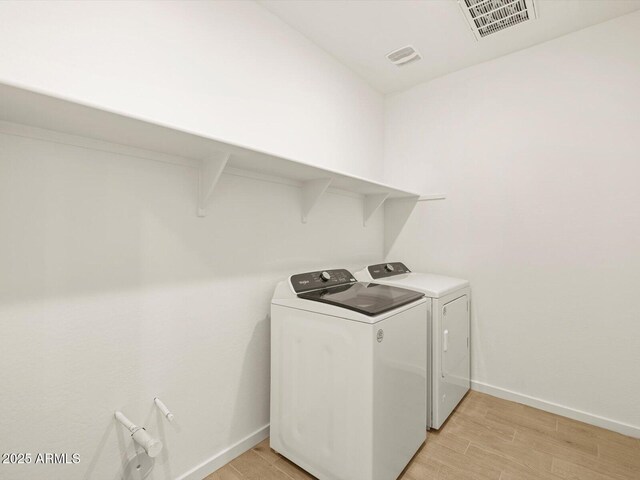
<point x="368" y="298"/>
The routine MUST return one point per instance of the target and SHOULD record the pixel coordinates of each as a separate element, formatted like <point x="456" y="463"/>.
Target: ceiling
<point x="360" y="33"/>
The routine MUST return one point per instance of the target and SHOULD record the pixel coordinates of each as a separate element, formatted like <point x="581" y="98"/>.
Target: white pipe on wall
<point x="150" y="445"/>
<point x="163" y="408"/>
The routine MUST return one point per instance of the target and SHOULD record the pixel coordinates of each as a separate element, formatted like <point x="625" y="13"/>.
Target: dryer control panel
<point x="383" y="270"/>
<point x="303" y="282"/>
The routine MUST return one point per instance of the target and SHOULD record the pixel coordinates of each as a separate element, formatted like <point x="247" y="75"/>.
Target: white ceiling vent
<point x="490" y="16"/>
<point x="404" y="56"/>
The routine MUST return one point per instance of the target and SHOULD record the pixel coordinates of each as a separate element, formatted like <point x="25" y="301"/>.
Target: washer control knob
<point x="389" y="268"/>
<point x="325" y="277"/>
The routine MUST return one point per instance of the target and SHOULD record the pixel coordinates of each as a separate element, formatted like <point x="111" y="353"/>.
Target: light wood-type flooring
<point x="487" y="438"/>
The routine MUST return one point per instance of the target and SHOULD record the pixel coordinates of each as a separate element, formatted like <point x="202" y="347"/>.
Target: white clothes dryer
<point x="448" y="324"/>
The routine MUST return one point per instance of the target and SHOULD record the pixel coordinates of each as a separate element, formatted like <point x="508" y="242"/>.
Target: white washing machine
<point x="448" y="323"/>
<point x="348" y="375"/>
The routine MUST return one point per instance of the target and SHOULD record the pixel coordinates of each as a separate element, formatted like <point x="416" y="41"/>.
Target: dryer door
<point x="455" y="365"/>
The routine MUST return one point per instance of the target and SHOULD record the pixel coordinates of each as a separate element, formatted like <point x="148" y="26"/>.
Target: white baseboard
<point x="551" y="407"/>
<point x="225" y="456"/>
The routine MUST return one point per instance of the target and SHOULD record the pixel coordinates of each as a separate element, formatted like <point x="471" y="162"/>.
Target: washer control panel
<point x="303" y="282"/>
<point x="383" y="270"/>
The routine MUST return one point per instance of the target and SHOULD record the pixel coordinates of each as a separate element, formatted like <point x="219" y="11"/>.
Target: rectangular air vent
<point x="486" y="17"/>
<point x="404" y="55"/>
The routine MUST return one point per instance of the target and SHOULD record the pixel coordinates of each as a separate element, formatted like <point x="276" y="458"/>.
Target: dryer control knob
<point x="389" y="268"/>
<point x="325" y="277"/>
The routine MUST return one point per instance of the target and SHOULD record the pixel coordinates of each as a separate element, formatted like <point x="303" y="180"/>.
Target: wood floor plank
<point x="528" y="476"/>
<point x="578" y="457"/>
<point x="478" y="429"/>
<point x="626" y="456"/>
<point x="497" y="425"/>
<point x="419" y="470"/>
<point x="556" y="443"/>
<point x="253" y="467"/>
<point x="450" y="440"/>
<point x="604" y="467"/>
<point x="461" y="462"/>
<point x="450" y="472"/>
<point x="525" y="417"/>
<point x="569" y="470"/>
<point x="574" y="427"/>
<point x="225" y="473"/>
<point x="524" y="455"/>
<point x="507" y="465"/>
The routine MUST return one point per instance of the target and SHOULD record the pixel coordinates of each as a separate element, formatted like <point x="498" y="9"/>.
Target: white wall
<point x="113" y="291"/>
<point x="228" y="70"/>
<point x="539" y="153"/>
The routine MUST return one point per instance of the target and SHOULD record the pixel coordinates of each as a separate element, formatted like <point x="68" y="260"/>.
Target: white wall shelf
<point x="27" y="113"/>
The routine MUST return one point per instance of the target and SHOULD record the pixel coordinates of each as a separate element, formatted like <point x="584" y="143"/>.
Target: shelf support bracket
<point x="210" y="170"/>
<point x="371" y="204"/>
<point x="312" y="190"/>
